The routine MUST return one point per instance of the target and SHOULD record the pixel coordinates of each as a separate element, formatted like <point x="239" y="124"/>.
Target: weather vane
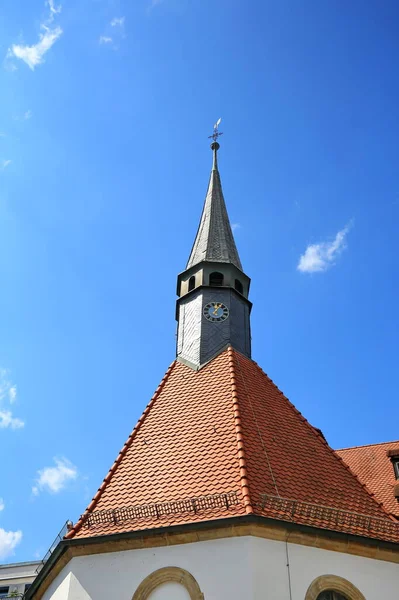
<point x="216" y="132"/>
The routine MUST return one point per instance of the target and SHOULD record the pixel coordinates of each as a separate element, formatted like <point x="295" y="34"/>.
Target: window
<point x="164" y="576"/>
<point x="238" y="286"/>
<point x="216" y="278"/>
<point x="395" y="462"/>
<point x="332" y="587"/>
<point x="330" y="595"/>
<point x="191" y="283"/>
<point x="27" y="586"/>
<point x="4" y="591"/>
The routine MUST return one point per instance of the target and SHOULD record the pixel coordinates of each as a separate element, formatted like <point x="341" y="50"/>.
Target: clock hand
<point x="216" y="308"/>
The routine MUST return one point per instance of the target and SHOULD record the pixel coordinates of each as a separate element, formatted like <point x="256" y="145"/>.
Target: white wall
<point x="170" y="591"/>
<point x="374" y="578"/>
<point x="234" y="568"/>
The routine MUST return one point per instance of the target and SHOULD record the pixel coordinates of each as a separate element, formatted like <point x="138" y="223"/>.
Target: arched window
<point x="191" y="283"/>
<point x="331" y="595"/>
<point x="216" y="278"/>
<point x="168" y="575"/>
<point x="238" y="286"/>
<point x="332" y="587"/>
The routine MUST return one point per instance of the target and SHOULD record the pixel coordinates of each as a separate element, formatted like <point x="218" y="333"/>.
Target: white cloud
<point x="235" y="226"/>
<point x="4" y="164"/>
<point x="2" y="505"/>
<point x="34" y="55"/>
<point x="54" y="10"/>
<point x="8" y="542"/>
<point x="118" y="22"/>
<point x="7" y="420"/>
<point x="23" y="117"/>
<point x="5" y="383"/>
<point x="8" y="395"/>
<point x="54" y="479"/>
<point x="115" y="35"/>
<point x="320" y="257"/>
<point x="12" y="393"/>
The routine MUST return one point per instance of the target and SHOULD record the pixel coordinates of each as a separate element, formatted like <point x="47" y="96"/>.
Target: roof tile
<point x="224" y="442"/>
<point x="373" y="467"/>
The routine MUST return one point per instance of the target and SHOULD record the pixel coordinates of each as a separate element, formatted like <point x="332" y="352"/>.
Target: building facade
<point x="16" y="578"/>
<point x="224" y="490"/>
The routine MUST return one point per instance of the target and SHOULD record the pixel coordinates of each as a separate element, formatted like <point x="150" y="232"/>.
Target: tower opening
<point x="191" y="283"/>
<point x="238" y="286"/>
<point x="216" y="279"/>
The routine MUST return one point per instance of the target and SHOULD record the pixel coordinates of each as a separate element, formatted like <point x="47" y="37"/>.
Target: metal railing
<point x="145" y="511"/>
<point x="60" y="536"/>
<point x="331" y="518"/>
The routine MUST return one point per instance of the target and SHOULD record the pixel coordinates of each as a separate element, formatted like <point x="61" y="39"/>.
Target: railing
<point x="328" y="517"/>
<point x="275" y="507"/>
<point x="145" y="511"/>
<point x="53" y="546"/>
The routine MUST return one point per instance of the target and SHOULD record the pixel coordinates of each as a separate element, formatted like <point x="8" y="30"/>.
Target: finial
<point x="215" y="145"/>
<point x="216" y="133"/>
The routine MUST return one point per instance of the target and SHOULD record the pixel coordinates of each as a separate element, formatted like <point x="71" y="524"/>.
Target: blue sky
<point x="106" y="106"/>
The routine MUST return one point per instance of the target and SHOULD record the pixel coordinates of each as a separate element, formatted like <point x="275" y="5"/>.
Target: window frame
<point x="334" y="583"/>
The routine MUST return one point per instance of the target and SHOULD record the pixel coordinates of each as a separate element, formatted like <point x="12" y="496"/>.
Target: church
<point x="224" y="490"/>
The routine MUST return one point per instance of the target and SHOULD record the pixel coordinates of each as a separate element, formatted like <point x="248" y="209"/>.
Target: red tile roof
<point x="374" y="468"/>
<point x="223" y="442"/>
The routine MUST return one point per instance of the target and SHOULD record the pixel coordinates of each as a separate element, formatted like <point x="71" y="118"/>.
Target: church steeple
<point x="214" y="240"/>
<point x="213" y="307"/>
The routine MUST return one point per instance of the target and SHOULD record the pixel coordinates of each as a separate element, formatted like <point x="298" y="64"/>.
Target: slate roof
<point x="224" y="442"/>
<point x="214" y="240"/>
<point x="374" y="468"/>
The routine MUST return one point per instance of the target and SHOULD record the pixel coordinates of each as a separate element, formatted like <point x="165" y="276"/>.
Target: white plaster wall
<point x="61" y="590"/>
<point x="234" y="568"/>
<point x="221" y="568"/>
<point x="374" y="578"/>
<point x="170" y="591"/>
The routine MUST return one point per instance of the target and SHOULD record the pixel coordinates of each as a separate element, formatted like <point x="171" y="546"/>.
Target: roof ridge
<point x="239" y="435"/>
<point x="121" y="454"/>
<point x="248" y="395"/>
<point x="366" y="445"/>
<point x="315" y="431"/>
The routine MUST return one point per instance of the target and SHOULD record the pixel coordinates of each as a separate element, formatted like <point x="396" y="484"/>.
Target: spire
<point x="214" y="240"/>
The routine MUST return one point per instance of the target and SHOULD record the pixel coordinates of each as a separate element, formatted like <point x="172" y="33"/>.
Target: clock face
<point x="216" y="311"/>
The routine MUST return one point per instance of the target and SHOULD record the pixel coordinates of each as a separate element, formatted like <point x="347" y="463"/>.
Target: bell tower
<point x="213" y="310"/>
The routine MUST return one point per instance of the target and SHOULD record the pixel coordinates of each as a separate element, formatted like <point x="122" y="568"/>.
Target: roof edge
<point x="366" y="446"/>
<point x="239" y="436"/>
<point x="121" y="454"/>
<point x="322" y="438"/>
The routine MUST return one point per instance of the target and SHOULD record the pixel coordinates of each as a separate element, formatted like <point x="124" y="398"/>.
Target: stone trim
<point x="166" y="575"/>
<point x="334" y="584"/>
<point x="272" y="530"/>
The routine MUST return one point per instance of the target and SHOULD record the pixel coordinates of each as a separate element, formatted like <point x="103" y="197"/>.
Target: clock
<point x="216" y="311"/>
